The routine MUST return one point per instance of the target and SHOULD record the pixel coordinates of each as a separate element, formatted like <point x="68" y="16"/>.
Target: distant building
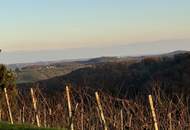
<point x="50" y="67"/>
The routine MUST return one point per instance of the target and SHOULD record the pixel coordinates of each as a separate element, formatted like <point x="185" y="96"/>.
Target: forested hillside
<point x="129" y="78"/>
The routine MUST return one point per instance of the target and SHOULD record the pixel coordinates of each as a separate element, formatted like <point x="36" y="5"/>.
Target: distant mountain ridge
<point x="94" y="60"/>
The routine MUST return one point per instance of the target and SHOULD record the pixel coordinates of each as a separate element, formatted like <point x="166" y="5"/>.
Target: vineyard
<point x="87" y="109"/>
<point x="94" y="65"/>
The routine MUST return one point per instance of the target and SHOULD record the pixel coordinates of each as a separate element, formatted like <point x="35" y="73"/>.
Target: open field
<point x="6" y="126"/>
<point x="36" y="73"/>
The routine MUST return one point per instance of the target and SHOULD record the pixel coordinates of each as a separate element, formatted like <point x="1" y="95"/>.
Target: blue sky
<point x="28" y="25"/>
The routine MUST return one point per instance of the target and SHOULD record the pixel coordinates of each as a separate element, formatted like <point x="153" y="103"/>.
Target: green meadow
<point x="7" y="126"/>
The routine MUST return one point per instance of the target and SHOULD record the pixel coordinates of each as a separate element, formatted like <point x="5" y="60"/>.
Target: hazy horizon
<point x="134" y="49"/>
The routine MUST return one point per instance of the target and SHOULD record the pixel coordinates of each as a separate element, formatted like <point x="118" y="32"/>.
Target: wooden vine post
<point x="23" y="114"/>
<point x="101" y="110"/>
<point x="170" y="121"/>
<point x="20" y="116"/>
<point x="8" y="105"/>
<point x="82" y="116"/>
<point x="50" y="117"/>
<point x="34" y="101"/>
<point x="45" y="117"/>
<point x="153" y="112"/>
<point x="69" y="107"/>
<point x="121" y="113"/>
<point x="0" y="114"/>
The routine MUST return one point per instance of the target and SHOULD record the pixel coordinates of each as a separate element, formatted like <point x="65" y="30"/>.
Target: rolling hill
<point x="33" y="72"/>
<point x="126" y="78"/>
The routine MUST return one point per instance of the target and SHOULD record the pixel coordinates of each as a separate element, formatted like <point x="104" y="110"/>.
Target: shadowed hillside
<point x="124" y="88"/>
<point x="129" y="78"/>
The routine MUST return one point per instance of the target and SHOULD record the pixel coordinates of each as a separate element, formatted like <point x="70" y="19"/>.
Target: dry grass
<point x="120" y="114"/>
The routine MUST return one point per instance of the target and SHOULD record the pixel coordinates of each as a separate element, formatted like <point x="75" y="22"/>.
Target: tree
<point x="7" y="78"/>
<point x="17" y="70"/>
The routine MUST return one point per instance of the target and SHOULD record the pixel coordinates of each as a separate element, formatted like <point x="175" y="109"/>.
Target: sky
<point x="50" y="25"/>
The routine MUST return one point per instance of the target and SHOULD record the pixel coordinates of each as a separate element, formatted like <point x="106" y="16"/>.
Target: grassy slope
<point x="6" y="126"/>
<point x="33" y="75"/>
